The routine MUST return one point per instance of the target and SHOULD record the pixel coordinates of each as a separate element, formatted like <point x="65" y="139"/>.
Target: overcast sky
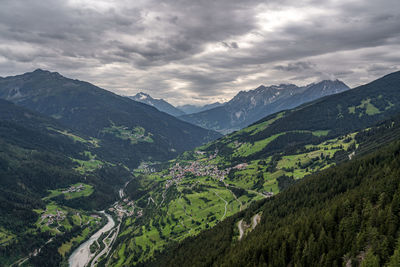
<point x="201" y="51"/>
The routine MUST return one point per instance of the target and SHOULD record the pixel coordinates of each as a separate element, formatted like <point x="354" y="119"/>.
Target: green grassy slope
<point x="347" y="214"/>
<point x="196" y="202"/>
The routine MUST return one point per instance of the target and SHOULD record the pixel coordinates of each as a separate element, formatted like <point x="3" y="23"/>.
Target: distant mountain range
<point x="127" y="131"/>
<point x="249" y="106"/>
<point x="190" y="109"/>
<point x="323" y="118"/>
<point x="159" y="104"/>
<point x="166" y="107"/>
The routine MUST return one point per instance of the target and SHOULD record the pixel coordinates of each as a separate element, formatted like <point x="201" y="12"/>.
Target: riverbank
<point x="82" y="255"/>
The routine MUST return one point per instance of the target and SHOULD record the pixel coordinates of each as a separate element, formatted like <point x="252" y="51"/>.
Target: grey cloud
<point x="341" y="74"/>
<point x="233" y="45"/>
<point x="182" y="49"/>
<point x="296" y="66"/>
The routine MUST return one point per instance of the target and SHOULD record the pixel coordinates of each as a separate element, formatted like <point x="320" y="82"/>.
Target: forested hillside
<point x="127" y="131"/>
<point x="39" y="159"/>
<point x="345" y="215"/>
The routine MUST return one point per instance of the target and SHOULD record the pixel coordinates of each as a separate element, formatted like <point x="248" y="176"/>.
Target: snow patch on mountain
<point x="159" y="104"/>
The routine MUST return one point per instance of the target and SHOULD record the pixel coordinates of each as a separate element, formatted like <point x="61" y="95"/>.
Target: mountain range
<point x="166" y="107"/>
<point x="322" y="119"/>
<point x="268" y="194"/>
<point x="249" y="106"/>
<point x="127" y="131"/>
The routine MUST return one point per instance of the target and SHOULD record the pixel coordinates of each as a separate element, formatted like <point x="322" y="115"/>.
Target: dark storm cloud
<point x="233" y="45"/>
<point x="182" y="50"/>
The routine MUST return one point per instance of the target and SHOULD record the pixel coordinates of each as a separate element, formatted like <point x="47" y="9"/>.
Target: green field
<point x="134" y="135"/>
<point x="86" y="191"/>
<point x="196" y="205"/>
<point x="89" y="165"/>
<point x="366" y="107"/>
<point x="263" y="125"/>
<point x="247" y="149"/>
<point x="90" y="140"/>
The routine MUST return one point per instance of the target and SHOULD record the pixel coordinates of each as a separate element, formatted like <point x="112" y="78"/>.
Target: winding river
<point x="82" y="256"/>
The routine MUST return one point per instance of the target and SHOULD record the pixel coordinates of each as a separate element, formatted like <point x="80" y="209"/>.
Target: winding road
<point x="241" y="230"/>
<point x="226" y="204"/>
<point x="256" y="219"/>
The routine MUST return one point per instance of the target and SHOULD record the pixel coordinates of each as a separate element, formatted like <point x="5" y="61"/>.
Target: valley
<point x="334" y="205"/>
<point x="181" y="199"/>
<point x="92" y="207"/>
<point x="198" y="190"/>
<point x="199" y="133"/>
<point x="83" y="254"/>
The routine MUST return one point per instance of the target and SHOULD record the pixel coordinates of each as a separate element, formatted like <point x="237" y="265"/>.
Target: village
<point x="73" y="188"/>
<point x="52" y="218"/>
<point x="126" y="207"/>
<point x="199" y="168"/>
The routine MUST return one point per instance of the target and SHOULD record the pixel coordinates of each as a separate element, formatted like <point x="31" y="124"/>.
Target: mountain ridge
<point x="249" y="106"/>
<point x="121" y="124"/>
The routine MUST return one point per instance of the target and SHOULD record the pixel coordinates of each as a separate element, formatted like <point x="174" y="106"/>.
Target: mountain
<point x="159" y="104"/>
<point x="200" y="189"/>
<point x="248" y="107"/>
<point x="126" y="131"/>
<point x="39" y="159"/>
<point x="322" y="119"/>
<point x="190" y="109"/>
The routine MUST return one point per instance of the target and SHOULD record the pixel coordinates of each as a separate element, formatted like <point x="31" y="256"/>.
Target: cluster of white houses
<point x="58" y="217"/>
<point x="200" y="168"/>
<point x="74" y="189"/>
